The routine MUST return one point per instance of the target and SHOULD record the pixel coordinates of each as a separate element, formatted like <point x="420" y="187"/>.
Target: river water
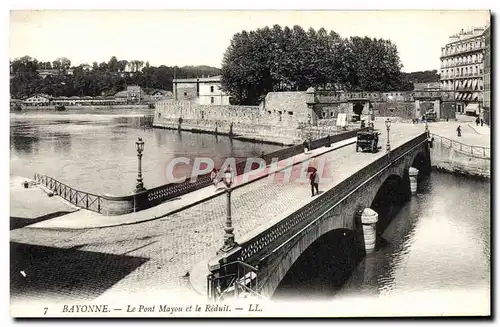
<point x="438" y="244"/>
<point x="95" y="151"/>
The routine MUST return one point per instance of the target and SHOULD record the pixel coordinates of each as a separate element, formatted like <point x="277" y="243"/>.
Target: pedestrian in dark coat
<point x="314" y="179"/>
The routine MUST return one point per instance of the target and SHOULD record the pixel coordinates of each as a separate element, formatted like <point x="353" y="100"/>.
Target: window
<point x="212" y="100"/>
<point x="269" y="112"/>
<point x="185" y="93"/>
<point x="331" y="114"/>
<point x="212" y="89"/>
<point x="290" y="113"/>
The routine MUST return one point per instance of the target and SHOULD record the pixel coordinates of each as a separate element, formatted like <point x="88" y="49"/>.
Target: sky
<point x="188" y="37"/>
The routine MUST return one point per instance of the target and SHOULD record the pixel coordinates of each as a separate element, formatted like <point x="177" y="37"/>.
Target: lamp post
<point x="139" y="187"/>
<point x="388" y="125"/>
<point x="229" y="242"/>
<point x="310" y="132"/>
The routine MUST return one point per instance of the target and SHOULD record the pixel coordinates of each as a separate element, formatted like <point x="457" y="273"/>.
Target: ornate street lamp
<point x="139" y="187"/>
<point x="388" y="125"/>
<point x="229" y="242"/>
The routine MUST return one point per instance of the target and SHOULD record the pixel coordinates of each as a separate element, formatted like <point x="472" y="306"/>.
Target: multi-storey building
<point x="487" y="78"/>
<point x="462" y="69"/>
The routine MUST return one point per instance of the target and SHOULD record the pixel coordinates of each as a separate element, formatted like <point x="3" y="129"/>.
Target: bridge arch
<point x="324" y="266"/>
<point x="421" y="161"/>
<point x="390" y="197"/>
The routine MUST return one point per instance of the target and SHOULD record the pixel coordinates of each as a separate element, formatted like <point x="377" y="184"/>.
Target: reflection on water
<point x="437" y="242"/>
<point x="96" y="152"/>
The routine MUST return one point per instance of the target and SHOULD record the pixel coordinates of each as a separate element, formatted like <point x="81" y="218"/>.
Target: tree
<point x="62" y="63"/>
<point x="373" y="65"/>
<point x="122" y="64"/>
<point x="279" y="59"/>
<point x="113" y="64"/>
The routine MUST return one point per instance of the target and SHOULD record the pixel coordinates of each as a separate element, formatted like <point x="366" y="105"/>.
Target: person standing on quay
<point x="314" y="179"/>
<point x="214" y="177"/>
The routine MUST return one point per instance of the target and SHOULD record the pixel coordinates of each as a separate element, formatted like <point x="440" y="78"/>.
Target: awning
<point x="469" y="83"/>
<point x="457" y="95"/>
<point x="472" y="107"/>
<point x="475" y="95"/>
<point x="474" y="85"/>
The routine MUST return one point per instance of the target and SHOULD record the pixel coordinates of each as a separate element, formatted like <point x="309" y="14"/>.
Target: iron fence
<point x="78" y="198"/>
<point x="472" y="150"/>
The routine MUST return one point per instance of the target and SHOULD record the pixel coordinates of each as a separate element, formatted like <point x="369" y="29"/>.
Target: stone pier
<point x="413" y="180"/>
<point x="369" y="220"/>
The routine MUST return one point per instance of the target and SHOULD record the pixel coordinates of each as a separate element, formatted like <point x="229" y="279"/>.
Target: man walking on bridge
<point x="314" y="179"/>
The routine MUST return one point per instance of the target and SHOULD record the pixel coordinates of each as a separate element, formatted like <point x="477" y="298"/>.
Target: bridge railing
<point x="315" y="144"/>
<point x="116" y="205"/>
<point x="80" y="199"/>
<point x="473" y="150"/>
<point x="284" y="229"/>
<point x="239" y="277"/>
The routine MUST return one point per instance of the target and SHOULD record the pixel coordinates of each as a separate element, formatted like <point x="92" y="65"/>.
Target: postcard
<point x="250" y="163"/>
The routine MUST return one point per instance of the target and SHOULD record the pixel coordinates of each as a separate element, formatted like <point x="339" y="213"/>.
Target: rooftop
<point x="467" y="34"/>
<point x="198" y="79"/>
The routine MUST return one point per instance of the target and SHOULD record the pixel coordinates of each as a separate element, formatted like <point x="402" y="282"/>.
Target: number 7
<point x="45" y="310"/>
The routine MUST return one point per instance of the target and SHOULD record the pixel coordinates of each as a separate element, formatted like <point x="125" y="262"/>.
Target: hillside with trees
<point x="105" y="78"/>
<point x="428" y="76"/>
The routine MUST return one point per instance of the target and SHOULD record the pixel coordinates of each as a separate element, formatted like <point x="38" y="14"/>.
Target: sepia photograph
<point x="250" y="163"/>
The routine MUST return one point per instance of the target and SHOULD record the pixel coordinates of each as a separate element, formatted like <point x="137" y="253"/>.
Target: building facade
<point x="133" y="94"/>
<point x="462" y="69"/>
<point x="487" y="79"/>
<point x="205" y="90"/>
<point x="38" y="100"/>
<point x="159" y="95"/>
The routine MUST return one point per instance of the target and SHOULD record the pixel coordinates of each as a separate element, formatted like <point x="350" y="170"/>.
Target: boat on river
<point x="60" y="107"/>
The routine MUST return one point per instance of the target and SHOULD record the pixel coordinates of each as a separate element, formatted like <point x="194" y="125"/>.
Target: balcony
<point x="473" y="62"/>
<point x="447" y="54"/>
<point x="459" y="76"/>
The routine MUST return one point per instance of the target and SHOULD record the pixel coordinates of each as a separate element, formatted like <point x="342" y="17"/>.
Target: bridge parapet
<point x="257" y="249"/>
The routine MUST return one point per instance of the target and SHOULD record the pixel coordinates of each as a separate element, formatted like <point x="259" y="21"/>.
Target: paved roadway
<point x="156" y="256"/>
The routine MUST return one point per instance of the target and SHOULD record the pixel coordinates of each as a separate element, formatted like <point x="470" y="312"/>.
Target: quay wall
<point x="460" y="159"/>
<point x="74" y="107"/>
<point x="291" y="117"/>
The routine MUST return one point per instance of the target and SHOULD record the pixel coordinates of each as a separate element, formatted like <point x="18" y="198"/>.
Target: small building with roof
<point x="203" y="90"/>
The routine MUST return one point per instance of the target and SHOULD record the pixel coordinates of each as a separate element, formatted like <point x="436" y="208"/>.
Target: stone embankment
<point x="467" y="155"/>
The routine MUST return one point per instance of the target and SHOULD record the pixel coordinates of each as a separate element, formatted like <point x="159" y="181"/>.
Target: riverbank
<point x="75" y="107"/>
<point x="468" y="155"/>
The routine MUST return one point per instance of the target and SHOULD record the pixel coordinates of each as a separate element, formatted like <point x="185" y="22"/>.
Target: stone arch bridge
<point x="259" y="263"/>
